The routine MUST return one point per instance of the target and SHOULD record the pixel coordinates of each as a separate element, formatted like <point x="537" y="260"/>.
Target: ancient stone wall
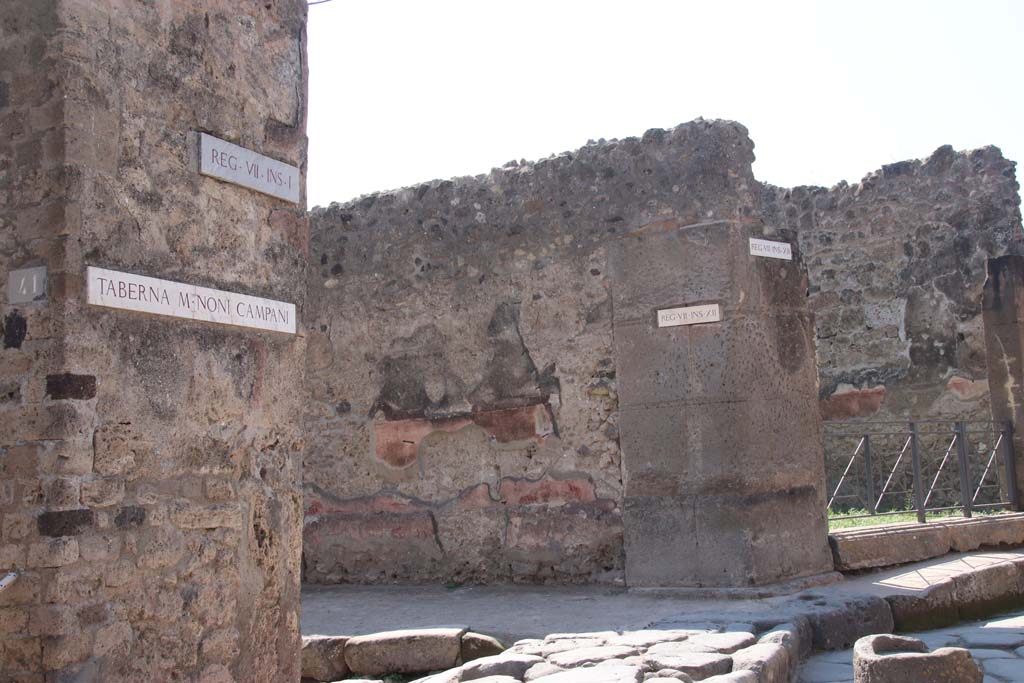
<point x="41" y="443"/>
<point x="465" y="378"/>
<point x="150" y="496"/>
<point x="464" y="373"/>
<point x="897" y="264"/>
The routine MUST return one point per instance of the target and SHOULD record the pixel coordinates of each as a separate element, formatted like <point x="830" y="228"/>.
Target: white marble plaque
<point x="151" y="295"/>
<point x="689" y="315"/>
<point x="26" y="285"/>
<point x="241" y="166"/>
<point x="781" y="250"/>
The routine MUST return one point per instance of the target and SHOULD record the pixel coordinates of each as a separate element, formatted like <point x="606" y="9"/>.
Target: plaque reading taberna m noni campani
<point x="689" y="315"/>
<point x="770" y="249"/>
<point x="132" y="292"/>
<point x="241" y="166"/>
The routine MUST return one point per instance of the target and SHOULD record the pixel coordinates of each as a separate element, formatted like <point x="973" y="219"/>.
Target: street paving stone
<point x="1006" y="669"/>
<point x="985" y="653"/>
<point x="993" y="637"/>
<point x="826" y="672"/>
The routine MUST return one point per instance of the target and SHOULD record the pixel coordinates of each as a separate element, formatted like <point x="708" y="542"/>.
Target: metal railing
<point x="887" y="468"/>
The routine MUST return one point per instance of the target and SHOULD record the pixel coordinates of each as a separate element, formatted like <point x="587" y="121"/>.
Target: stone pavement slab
<point x="1010" y="670"/>
<point x="817" y="671"/>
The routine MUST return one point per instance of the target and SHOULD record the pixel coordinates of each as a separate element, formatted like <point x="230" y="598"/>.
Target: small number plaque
<point x="26" y="285"/>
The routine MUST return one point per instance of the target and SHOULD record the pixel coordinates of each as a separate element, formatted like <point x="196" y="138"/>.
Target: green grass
<point x="901" y="518"/>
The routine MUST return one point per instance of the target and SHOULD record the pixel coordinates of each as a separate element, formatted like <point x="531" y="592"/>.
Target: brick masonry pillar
<point x="721" y="435"/>
<point x="1003" y="312"/>
<point x="149" y="466"/>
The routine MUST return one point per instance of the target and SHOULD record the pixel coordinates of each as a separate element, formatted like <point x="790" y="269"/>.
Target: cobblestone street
<point x="997" y="645"/>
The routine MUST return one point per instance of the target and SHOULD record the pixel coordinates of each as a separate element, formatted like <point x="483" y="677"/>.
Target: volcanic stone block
<point x="770" y="661"/>
<point x="882" y="547"/>
<point x="64" y="522"/>
<point x="887" y="658"/>
<point x="323" y="658"/>
<point x="661" y="517"/>
<point x="70" y="386"/>
<point x="989" y="590"/>
<point x="479" y="646"/>
<point x="980" y="532"/>
<point x="841" y="621"/>
<point x="752" y="356"/>
<point x="720" y="430"/>
<point x="509" y="664"/>
<point x="656" y="466"/>
<point x="404" y="652"/>
<point x="931" y="608"/>
<point x="653" y="365"/>
<point x="1003" y="316"/>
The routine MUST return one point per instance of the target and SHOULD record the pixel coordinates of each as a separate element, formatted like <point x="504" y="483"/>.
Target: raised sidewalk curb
<point x="895" y="544"/>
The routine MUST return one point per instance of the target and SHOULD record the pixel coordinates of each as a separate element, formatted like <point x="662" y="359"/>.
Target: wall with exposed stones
<point x="149" y="466"/>
<point x="465" y="410"/>
<point x="464" y="375"/>
<point x="897" y="264"/>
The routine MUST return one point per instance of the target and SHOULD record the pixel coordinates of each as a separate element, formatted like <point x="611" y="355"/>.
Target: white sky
<point x="406" y="92"/>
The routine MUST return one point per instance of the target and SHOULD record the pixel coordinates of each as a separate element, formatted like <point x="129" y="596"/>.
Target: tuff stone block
<point x="101" y="493"/>
<point x="56" y="552"/>
<point x="65" y="522"/>
<point x="68" y="386"/>
<point x="130" y="516"/>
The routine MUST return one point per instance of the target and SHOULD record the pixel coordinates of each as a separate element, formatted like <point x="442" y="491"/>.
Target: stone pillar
<point x="721" y="435"/>
<point x="150" y="508"/>
<point x="1003" y="311"/>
